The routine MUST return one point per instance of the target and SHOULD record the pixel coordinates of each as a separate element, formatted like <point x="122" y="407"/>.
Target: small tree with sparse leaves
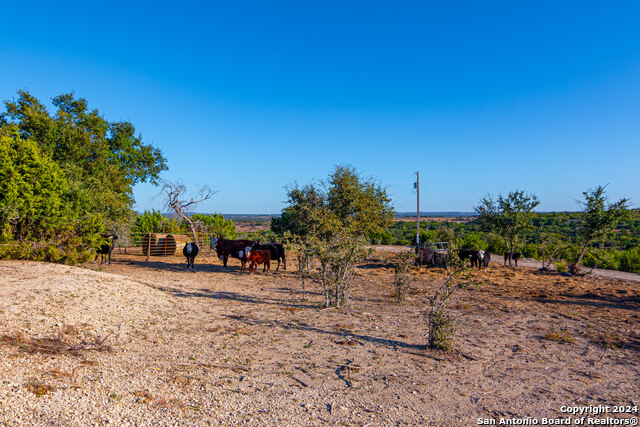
<point x="508" y="217"/>
<point x="402" y="267"/>
<point x="600" y="220"/>
<point x="440" y="323"/>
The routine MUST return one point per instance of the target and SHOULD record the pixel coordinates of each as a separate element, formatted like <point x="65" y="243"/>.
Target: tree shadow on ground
<point x="348" y="338"/>
<point x="600" y="301"/>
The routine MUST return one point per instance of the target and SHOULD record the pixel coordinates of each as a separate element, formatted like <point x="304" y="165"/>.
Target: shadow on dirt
<point x="347" y="338"/>
<point x="631" y="302"/>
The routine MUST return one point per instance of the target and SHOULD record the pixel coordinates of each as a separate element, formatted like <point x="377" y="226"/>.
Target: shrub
<point x="496" y="245"/>
<point x="472" y="241"/>
<point x="440" y="324"/>
<point x="402" y="266"/>
<point x="607" y="258"/>
<point x="561" y="267"/>
<point x="630" y="261"/>
<point x="530" y="250"/>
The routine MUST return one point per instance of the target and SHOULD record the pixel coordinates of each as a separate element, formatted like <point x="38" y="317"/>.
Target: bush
<point x="440" y="331"/>
<point x="561" y="267"/>
<point x="630" y="261"/>
<point x="496" y="246"/>
<point x="530" y="250"/>
<point x="472" y="241"/>
<point x="608" y="259"/>
<point x="402" y="266"/>
<point x="67" y="252"/>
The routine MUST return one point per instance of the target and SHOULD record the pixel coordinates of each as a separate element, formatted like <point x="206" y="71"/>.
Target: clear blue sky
<point x="480" y="97"/>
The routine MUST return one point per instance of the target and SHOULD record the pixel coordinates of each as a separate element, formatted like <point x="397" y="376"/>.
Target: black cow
<point x="515" y="256"/>
<point x="277" y="252"/>
<point x="469" y="254"/>
<point x="440" y="259"/>
<point x="426" y="256"/>
<point x="106" y="248"/>
<point x="483" y="258"/>
<point x="190" y="251"/>
<point x="226" y="248"/>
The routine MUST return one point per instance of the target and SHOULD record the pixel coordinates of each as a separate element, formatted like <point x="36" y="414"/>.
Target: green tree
<point x="101" y="160"/>
<point x="508" y="217"/>
<point x="31" y="190"/>
<point x="600" y="219"/>
<point x="362" y="205"/>
<point x="217" y="225"/>
<point x="332" y="220"/>
<point x="35" y="221"/>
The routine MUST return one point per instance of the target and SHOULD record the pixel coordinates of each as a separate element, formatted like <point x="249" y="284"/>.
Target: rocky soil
<point x="150" y="343"/>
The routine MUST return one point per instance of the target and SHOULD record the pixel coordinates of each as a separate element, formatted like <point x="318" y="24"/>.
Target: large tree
<point x="101" y="159"/>
<point x="508" y="217"/>
<point x="68" y="175"/>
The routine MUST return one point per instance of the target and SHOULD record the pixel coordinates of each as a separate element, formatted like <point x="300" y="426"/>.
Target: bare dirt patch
<point x="216" y="346"/>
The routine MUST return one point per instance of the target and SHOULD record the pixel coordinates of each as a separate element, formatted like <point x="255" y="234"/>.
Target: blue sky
<point x="480" y="97"/>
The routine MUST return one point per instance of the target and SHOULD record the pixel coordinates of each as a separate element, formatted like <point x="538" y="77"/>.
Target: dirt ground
<point x="151" y="343"/>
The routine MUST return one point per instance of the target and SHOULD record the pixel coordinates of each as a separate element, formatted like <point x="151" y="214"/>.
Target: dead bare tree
<point x="176" y="195"/>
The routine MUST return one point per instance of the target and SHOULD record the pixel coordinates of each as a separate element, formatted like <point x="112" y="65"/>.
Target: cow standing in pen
<point x="470" y="255"/>
<point x="425" y="256"/>
<point x="226" y="248"/>
<point x="276" y="250"/>
<point x="190" y="251"/>
<point x="106" y="248"/>
<point x="483" y="258"/>
<point x="256" y="257"/>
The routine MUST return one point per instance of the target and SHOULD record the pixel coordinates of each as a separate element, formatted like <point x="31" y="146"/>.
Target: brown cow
<point x="259" y="256"/>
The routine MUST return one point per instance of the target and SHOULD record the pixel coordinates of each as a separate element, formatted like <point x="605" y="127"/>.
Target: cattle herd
<point x="426" y="256"/>
<point x="255" y="253"/>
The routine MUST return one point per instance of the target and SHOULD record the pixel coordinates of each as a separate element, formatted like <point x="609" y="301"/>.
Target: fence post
<point x="148" y="245"/>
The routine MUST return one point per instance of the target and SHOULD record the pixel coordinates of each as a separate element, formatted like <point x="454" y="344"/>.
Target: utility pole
<point x="417" y="185"/>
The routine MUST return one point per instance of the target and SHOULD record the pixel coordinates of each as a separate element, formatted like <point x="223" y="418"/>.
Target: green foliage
<point x="472" y="241"/>
<point x="602" y="258"/>
<point x="331" y="222"/>
<point x="32" y="189"/>
<point x="217" y="225"/>
<point x="154" y="222"/>
<point x="600" y="218"/>
<point x="630" y="261"/>
<point x="36" y="221"/>
<point x="496" y="245"/>
<point x="530" y="250"/>
<point x="362" y="205"/>
<point x="66" y="177"/>
<point x="427" y="236"/>
<point x="508" y="217"/>
<point x="359" y="205"/>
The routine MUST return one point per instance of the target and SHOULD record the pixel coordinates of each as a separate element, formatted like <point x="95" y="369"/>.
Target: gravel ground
<point x="154" y="344"/>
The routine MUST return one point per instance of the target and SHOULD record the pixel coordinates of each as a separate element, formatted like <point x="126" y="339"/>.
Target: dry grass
<point x="54" y="345"/>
